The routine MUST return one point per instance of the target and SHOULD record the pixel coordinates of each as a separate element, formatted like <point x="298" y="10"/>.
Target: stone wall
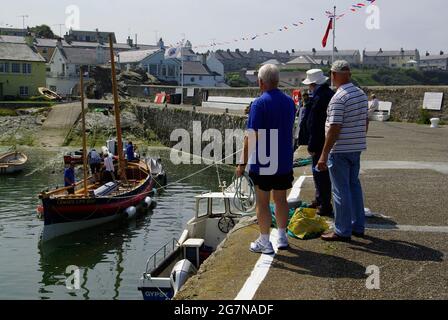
<point x="163" y="121"/>
<point x="407" y="101"/>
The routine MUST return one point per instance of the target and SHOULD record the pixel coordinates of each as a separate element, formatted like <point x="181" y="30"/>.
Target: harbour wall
<point x="407" y="101"/>
<point x="164" y="121"/>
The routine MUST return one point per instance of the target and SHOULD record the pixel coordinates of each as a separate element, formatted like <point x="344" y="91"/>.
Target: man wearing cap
<point x="317" y="117"/>
<point x="346" y="139"/>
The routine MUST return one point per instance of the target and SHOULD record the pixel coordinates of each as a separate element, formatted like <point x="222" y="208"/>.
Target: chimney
<point x="293" y="50"/>
<point x="402" y="51"/>
<point x="381" y="50"/>
<point x="59" y="43"/>
<point x="228" y="50"/>
<point x="130" y="42"/>
<point x="237" y="50"/>
<point x="314" y="51"/>
<point x="335" y="49"/>
<point x="136" y="43"/>
<point x="442" y="53"/>
<point x="427" y="53"/>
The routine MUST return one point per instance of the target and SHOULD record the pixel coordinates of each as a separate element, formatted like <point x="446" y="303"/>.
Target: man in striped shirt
<point x="346" y="138"/>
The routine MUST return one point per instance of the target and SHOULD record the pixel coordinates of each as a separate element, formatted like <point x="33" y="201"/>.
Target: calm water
<point x="112" y="257"/>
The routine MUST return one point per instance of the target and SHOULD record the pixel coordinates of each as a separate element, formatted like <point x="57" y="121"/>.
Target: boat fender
<point x="154" y="191"/>
<point x="131" y="212"/>
<point x="148" y="201"/>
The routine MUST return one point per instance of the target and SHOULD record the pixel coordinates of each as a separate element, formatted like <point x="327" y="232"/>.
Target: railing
<point x="167" y="249"/>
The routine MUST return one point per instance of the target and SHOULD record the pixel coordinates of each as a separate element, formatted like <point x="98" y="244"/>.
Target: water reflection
<point x="112" y="257"/>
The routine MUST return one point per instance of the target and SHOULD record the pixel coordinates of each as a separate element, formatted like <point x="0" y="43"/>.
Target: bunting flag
<point x="354" y="8"/>
<point x="327" y="33"/>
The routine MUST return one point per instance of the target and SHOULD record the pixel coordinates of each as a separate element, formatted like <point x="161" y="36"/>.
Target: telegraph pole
<point x="23" y="19"/>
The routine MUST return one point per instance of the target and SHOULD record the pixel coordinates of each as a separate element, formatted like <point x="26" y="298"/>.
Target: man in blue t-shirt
<point x="269" y="150"/>
<point x="130" y="152"/>
<point x="69" y="178"/>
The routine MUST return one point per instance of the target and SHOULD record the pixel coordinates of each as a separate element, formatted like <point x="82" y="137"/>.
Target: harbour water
<point x="111" y="258"/>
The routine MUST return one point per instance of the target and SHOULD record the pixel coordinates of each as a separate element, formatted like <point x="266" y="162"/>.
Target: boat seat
<point x="106" y="189"/>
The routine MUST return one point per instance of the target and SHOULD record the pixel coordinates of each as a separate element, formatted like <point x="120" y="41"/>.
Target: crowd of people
<point x="102" y="167"/>
<point x="333" y="125"/>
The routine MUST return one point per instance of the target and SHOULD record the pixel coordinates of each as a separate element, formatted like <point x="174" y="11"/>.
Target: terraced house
<point x="22" y="71"/>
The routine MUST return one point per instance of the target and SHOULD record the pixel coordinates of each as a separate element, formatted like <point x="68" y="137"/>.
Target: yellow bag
<point x="306" y="224"/>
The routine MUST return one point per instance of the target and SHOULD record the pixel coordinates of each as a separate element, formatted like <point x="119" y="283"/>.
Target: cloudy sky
<point x="408" y="24"/>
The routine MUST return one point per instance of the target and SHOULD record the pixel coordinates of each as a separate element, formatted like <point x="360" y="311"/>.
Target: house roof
<point x="136" y="56"/>
<point x="19" y="52"/>
<point x="390" y="53"/>
<point x="434" y="57"/>
<point x="271" y="61"/>
<point x="196" y="68"/>
<point x="13" y="39"/>
<point x="80" y="56"/>
<point x="303" y="60"/>
<point x="327" y="53"/>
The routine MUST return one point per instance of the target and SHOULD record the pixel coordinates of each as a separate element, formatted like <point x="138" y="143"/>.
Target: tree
<point x="43" y="31"/>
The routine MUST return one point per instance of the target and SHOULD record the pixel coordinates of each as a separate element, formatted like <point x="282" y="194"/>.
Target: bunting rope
<point x="355" y="8"/>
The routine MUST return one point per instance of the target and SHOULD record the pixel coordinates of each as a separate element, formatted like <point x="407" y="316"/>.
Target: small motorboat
<point x="169" y="269"/>
<point x="49" y="94"/>
<point x="12" y="162"/>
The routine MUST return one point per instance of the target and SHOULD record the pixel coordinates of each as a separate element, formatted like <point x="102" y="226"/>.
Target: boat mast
<point x="117" y="111"/>
<point x="84" y="138"/>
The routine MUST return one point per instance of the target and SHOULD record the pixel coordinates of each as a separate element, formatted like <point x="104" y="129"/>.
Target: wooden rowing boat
<point x="12" y="162"/>
<point x="49" y="94"/>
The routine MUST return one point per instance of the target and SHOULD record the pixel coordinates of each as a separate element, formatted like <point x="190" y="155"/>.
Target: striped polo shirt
<point x="349" y="108"/>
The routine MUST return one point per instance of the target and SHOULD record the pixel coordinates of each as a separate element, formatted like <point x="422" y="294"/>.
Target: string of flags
<point x="355" y="8"/>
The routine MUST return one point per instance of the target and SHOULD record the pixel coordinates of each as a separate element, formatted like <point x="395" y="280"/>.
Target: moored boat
<point x="90" y="203"/>
<point x="12" y="162"/>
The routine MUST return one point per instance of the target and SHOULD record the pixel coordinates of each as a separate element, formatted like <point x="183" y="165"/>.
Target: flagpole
<point x="334" y="35"/>
<point x="334" y="42"/>
<point x="182" y="66"/>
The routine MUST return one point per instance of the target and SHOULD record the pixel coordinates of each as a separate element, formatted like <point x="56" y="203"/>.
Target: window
<point x="171" y="71"/>
<point x="24" y="91"/>
<point x="26" y="68"/>
<point x="54" y="88"/>
<point x="164" y="70"/>
<point x="153" y="69"/>
<point x="192" y="79"/>
<point x="202" y="207"/>
<point x="4" y="67"/>
<point x="218" y="206"/>
<point x="15" y="68"/>
<point x="200" y="78"/>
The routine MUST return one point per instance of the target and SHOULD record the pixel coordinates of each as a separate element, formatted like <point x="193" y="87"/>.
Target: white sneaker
<point x="283" y="243"/>
<point x="259" y="247"/>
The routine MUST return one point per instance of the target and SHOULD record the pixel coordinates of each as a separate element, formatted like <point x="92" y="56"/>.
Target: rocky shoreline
<point x="22" y="129"/>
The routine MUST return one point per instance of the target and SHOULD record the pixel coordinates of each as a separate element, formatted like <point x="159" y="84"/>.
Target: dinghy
<point x="12" y="162"/>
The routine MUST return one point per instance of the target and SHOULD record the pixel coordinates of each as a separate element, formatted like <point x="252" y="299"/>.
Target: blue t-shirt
<point x="69" y="174"/>
<point x="274" y="110"/>
<point x="130" y="152"/>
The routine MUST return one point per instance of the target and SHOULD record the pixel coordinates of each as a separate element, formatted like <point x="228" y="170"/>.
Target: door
<point x="1" y="91"/>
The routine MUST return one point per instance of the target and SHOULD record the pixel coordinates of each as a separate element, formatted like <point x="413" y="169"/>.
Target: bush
<point x="425" y="117"/>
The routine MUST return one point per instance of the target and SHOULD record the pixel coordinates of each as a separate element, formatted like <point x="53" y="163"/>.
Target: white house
<point x="64" y="66"/>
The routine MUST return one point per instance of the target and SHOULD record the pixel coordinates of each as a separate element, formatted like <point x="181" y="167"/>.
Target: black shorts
<point x="269" y="183"/>
<point x="95" y="168"/>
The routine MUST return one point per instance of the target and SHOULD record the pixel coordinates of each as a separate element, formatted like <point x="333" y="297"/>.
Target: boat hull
<point x="65" y="216"/>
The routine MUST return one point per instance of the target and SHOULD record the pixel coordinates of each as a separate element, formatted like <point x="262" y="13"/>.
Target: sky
<point x="402" y="23"/>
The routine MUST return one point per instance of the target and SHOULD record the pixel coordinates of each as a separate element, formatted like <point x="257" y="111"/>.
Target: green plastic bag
<point x="306" y="224"/>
